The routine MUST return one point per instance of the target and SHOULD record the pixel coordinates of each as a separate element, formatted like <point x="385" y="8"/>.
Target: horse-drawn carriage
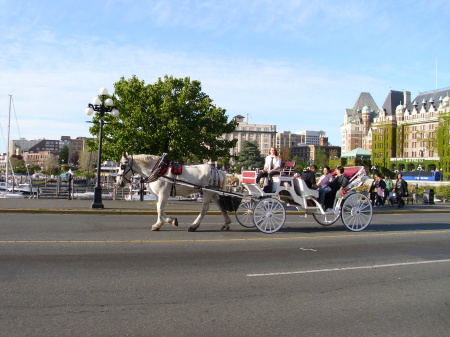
<point x="266" y="212"/>
<point x="259" y="209"/>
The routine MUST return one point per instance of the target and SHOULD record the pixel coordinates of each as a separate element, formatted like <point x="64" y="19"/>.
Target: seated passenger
<point x="339" y="182"/>
<point x="309" y="176"/>
<point x="323" y="184"/>
<point x="271" y="167"/>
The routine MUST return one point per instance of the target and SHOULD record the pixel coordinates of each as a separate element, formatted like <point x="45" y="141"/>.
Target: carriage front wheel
<point x="356" y="212"/>
<point x="269" y="215"/>
<point x="244" y="213"/>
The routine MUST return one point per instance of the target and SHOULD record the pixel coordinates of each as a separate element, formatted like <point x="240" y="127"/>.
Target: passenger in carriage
<point x="339" y="182"/>
<point x="272" y="165"/>
<point x="309" y="176"/>
<point x="323" y="184"/>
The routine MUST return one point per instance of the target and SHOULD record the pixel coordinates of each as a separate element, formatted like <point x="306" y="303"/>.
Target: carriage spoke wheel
<point x="356" y="212"/>
<point x="269" y="215"/>
<point x="326" y="219"/>
<point x="244" y="213"/>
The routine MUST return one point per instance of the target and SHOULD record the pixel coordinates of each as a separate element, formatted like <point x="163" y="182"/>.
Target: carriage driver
<point x="272" y="165"/>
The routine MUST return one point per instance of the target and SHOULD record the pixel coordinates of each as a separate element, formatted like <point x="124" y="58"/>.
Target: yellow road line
<point x="353" y="235"/>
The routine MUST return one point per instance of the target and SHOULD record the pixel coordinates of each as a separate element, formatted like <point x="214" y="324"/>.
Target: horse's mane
<point x="145" y="159"/>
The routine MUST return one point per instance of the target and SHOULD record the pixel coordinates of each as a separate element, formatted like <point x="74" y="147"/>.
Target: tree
<point x="50" y="164"/>
<point x="170" y="116"/>
<point x="74" y="158"/>
<point x="63" y="155"/>
<point x="87" y="160"/>
<point x="250" y="156"/>
<point x="285" y="153"/>
<point x="321" y="159"/>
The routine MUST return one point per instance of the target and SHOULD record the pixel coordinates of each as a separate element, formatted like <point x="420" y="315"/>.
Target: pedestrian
<point x="401" y="190"/>
<point x="388" y="196"/>
<point x="380" y="187"/>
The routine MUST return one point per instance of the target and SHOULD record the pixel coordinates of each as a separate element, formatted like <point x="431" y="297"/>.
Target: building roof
<point x="364" y="100"/>
<point x="393" y="99"/>
<point x="429" y="98"/>
<point x="358" y="152"/>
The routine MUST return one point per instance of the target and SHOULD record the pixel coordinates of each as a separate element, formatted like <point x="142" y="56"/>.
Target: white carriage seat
<point x="302" y="190"/>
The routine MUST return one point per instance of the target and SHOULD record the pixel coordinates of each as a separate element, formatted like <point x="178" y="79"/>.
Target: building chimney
<point x="406" y="98"/>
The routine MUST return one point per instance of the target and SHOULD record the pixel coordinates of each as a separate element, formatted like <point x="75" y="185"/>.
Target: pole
<point x="7" y="144"/>
<point x="98" y="188"/>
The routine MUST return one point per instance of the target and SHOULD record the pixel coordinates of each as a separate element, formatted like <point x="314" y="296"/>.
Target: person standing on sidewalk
<point x="380" y="189"/>
<point x="401" y="190"/>
<point x="389" y="188"/>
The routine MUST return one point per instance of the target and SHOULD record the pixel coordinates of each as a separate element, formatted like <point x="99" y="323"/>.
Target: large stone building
<point x="404" y="134"/>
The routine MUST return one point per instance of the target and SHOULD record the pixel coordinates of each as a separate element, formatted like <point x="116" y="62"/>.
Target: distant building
<point x="288" y="139"/>
<point x="263" y="134"/>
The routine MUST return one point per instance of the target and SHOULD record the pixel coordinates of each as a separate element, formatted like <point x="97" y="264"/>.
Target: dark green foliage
<point x="172" y="115"/>
<point x="250" y="156"/>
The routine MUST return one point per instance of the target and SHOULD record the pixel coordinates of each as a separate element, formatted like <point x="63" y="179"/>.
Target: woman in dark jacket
<point x="401" y="190"/>
<point x="339" y="182"/>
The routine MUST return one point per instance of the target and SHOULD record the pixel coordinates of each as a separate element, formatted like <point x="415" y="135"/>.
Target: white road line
<point x="349" y="268"/>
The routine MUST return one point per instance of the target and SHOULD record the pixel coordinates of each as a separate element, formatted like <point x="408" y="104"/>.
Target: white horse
<point x="147" y="166"/>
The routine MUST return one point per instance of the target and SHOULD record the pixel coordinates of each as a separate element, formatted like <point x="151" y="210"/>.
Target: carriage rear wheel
<point x="326" y="219"/>
<point x="356" y="212"/>
<point x="269" y="215"/>
<point x="244" y="213"/>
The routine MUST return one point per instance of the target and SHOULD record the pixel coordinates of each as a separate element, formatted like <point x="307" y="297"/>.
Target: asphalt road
<point x="109" y="275"/>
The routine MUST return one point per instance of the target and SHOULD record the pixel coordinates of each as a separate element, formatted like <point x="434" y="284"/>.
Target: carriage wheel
<point x="269" y="215"/>
<point x="326" y="219"/>
<point x="244" y="213"/>
<point x="356" y="212"/>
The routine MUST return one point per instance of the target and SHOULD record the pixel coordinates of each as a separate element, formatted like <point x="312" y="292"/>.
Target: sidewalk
<point x="63" y="206"/>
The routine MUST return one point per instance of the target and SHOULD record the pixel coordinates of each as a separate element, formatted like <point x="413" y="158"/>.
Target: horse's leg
<point x="226" y="226"/>
<point x="205" y="207"/>
<point x="162" y="216"/>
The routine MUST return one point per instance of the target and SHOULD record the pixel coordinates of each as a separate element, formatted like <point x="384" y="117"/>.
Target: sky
<point x="295" y="64"/>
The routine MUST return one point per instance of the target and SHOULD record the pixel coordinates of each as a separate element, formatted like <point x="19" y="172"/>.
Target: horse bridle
<point x="154" y="174"/>
<point x="127" y="167"/>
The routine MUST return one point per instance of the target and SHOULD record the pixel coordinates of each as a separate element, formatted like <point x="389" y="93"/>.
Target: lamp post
<point x="442" y="174"/>
<point x="101" y="105"/>
<point x="373" y="168"/>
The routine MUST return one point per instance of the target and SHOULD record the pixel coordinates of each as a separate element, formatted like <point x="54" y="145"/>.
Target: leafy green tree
<point x="321" y="158"/>
<point x="63" y="155"/>
<point x="172" y="115"/>
<point x="250" y="156"/>
<point x="300" y="165"/>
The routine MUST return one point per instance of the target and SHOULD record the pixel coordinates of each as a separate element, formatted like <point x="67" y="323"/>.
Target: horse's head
<point x="126" y="171"/>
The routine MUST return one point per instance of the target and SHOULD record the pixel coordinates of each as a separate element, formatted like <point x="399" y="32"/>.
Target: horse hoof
<point x="225" y="228"/>
<point x="192" y="229"/>
<point x="155" y="228"/>
<point x="175" y="222"/>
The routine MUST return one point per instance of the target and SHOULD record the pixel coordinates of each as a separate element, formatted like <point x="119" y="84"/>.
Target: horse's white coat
<point x="198" y="175"/>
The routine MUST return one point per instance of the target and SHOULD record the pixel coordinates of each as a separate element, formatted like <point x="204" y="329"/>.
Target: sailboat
<point x="7" y="186"/>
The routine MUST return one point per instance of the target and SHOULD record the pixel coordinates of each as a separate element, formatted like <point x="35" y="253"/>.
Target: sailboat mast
<point x="7" y="143"/>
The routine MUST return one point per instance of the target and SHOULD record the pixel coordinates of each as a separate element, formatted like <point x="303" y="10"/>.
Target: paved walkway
<point x="145" y="207"/>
